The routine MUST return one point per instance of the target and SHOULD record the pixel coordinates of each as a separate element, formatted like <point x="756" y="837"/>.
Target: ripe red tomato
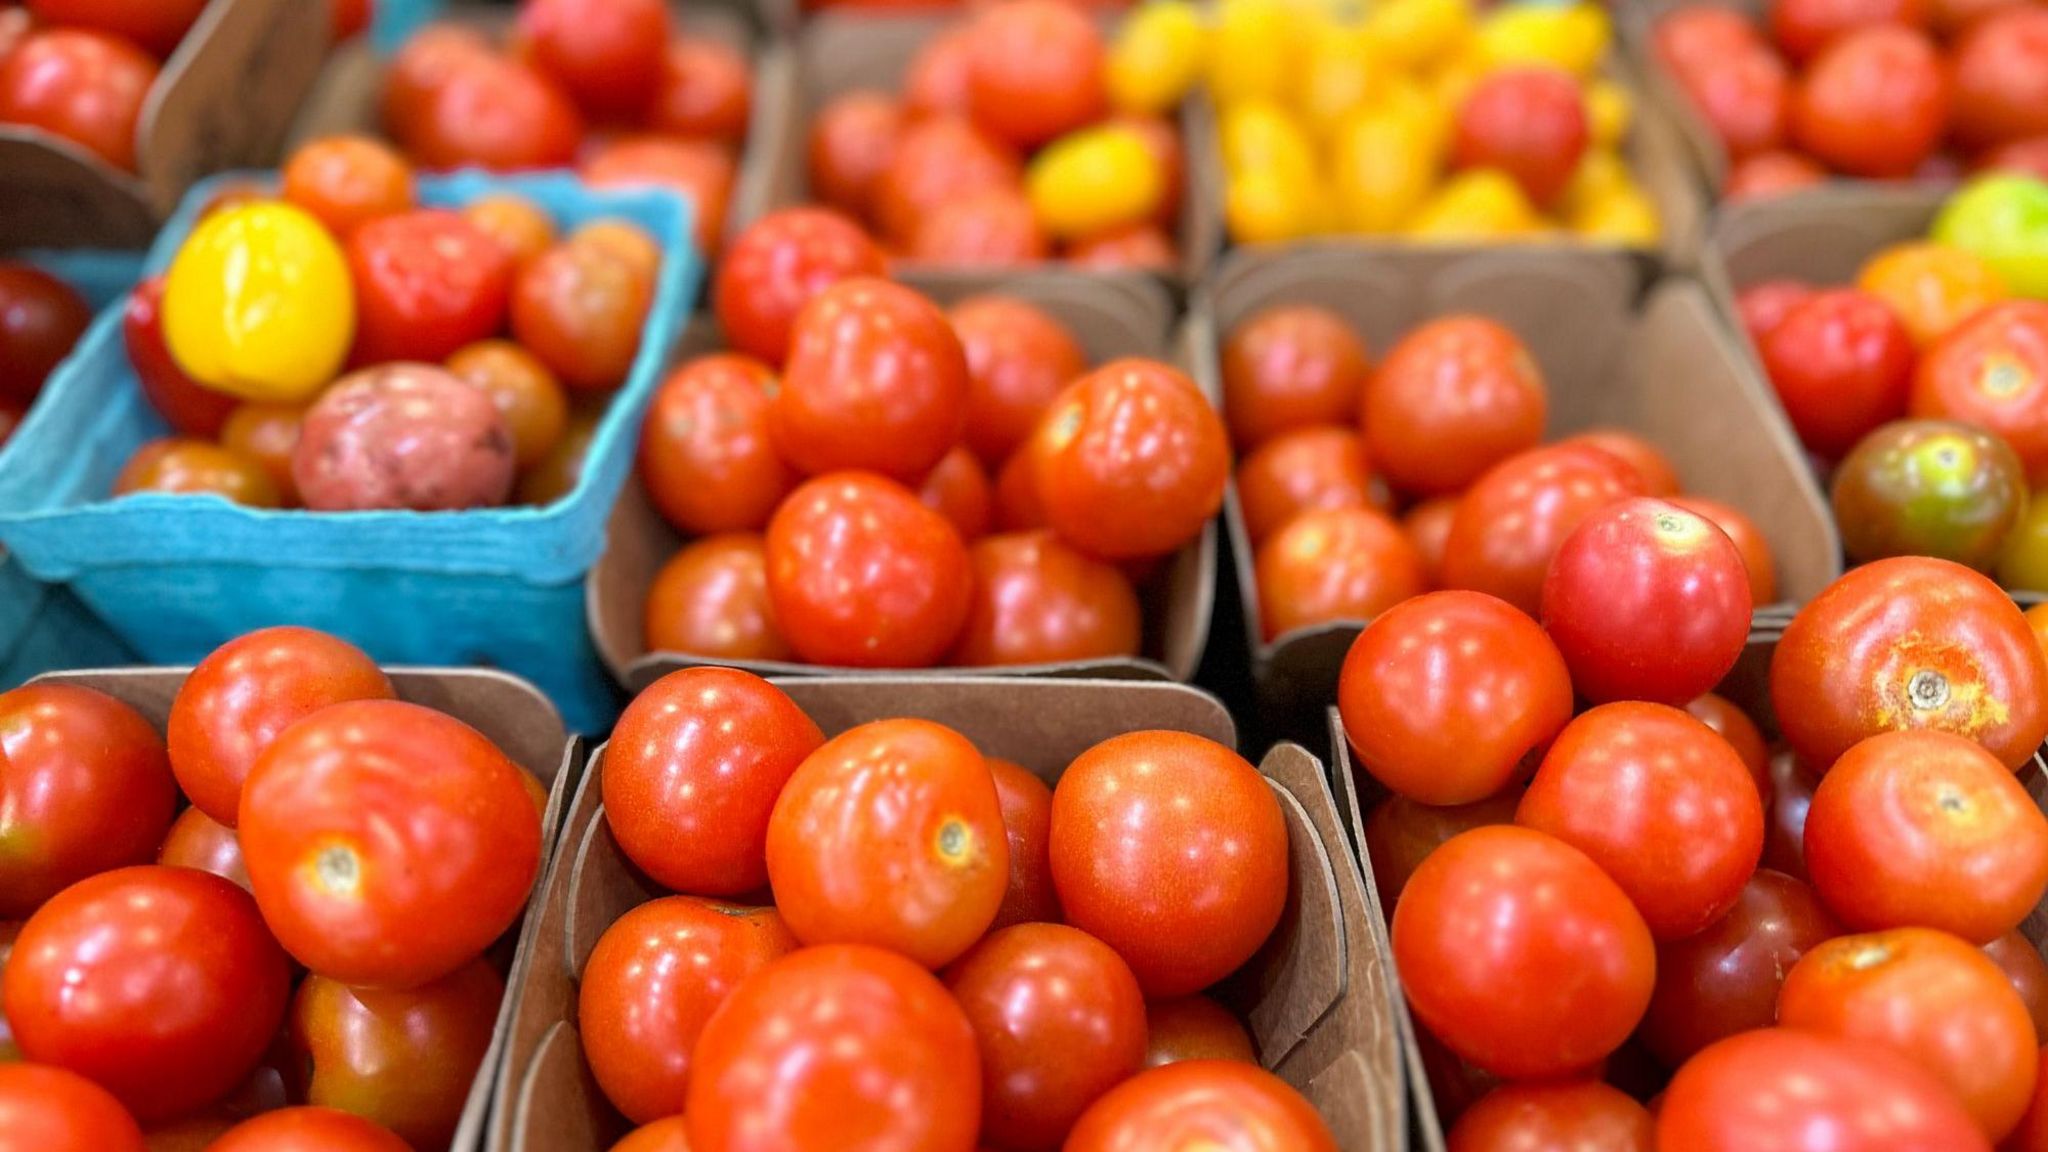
<point x="1732" y="724"/>
<point x="1842" y="364"/>
<point x="1335" y="564"/>
<point x="836" y="1041"/>
<point x="1428" y="526"/>
<point x="891" y="835"/>
<point x="1142" y="247"/>
<point x="1059" y="1021"/>
<point x="935" y="82"/>
<point x="1038" y="601"/>
<point x="347" y="181"/>
<point x="1019" y="357"/>
<point x="308" y="1129"/>
<point x="160" y="984"/>
<point x="706" y="92"/>
<point x="1585" y="1116"/>
<point x="83" y="87"/>
<point x="1659" y="477"/>
<point x="491" y="112"/>
<point x="1454" y="398"/>
<point x="1745" y="97"/>
<point x="700" y="170"/>
<point x="1692" y="37"/>
<point x="1400" y="834"/>
<point x="1131" y="460"/>
<point x="1172" y="850"/>
<point x="156" y="26"/>
<point x="1194" y="1028"/>
<point x="706" y="454"/>
<point x="388" y="844"/>
<point x="2032" y="1133"/>
<point x="1799" y="1091"/>
<point x="1749" y="541"/>
<point x="51" y="1110"/>
<point x="1789" y="800"/>
<point x="994" y="227"/>
<point x="851" y="141"/>
<point x="1992" y="371"/>
<point x="2024" y="969"/>
<point x="427" y="283"/>
<point x="1762" y="307"/>
<point x="248" y="691"/>
<point x="1874" y="103"/>
<point x="1928" y="829"/>
<point x="514" y="221"/>
<point x="41" y="318"/>
<point x="1910" y="642"/>
<point x="1291" y="367"/>
<point x="190" y="408"/>
<point x="1035" y="71"/>
<point x="711" y="600"/>
<point x="1202" y="1104"/>
<point x="580" y="309"/>
<point x="1768" y="174"/>
<point x="1529" y="122"/>
<point x="1026" y="803"/>
<point x="1930" y="998"/>
<point x="197" y="841"/>
<point x="669" y="1134"/>
<point x="654" y="979"/>
<point x="1567" y="970"/>
<point x="774" y="268"/>
<point x="937" y="160"/>
<point x="1647" y="601"/>
<point x="1018" y="507"/>
<point x="525" y="393"/>
<point x="607" y="54"/>
<point x="2028" y="157"/>
<point x="84" y="787"/>
<point x="1306" y="470"/>
<point x="1511" y="522"/>
<point x="419" y="69"/>
<point x="193" y="467"/>
<point x="1803" y="27"/>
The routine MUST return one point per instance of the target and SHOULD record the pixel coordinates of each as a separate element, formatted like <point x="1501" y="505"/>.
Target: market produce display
<point x="41" y="317"/>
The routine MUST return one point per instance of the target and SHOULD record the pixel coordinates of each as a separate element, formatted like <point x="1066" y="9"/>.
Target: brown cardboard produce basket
<point x="1637" y="25"/>
<point x="1822" y="237"/>
<point x="512" y="713"/>
<point x="1111" y="317"/>
<point x="1667" y="370"/>
<point x="345" y="99"/>
<point x="224" y="99"/>
<point x="1314" y="997"/>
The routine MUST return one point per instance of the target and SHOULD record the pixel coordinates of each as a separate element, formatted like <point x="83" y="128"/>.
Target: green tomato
<point x="1929" y="488"/>
<point x="2003" y="218"/>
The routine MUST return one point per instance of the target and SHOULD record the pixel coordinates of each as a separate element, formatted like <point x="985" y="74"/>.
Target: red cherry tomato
<point x="937" y="160"/>
<point x="515" y="222"/>
<point x="1992" y="371"/>
<point x="1746" y="99"/>
<point x="1768" y="174"/>
<point x="347" y="181"/>
<point x="1734" y="725"/>
<point x="711" y="600"/>
<point x="1527" y="122"/>
<point x="1141" y="247"/>
<point x="418" y="71"/>
<point x="580" y="308"/>
<point x="1762" y="307"/>
<point x="1194" y="1028"/>
<point x="1874" y="103"/>
<point x="1454" y="398"/>
<point x="1202" y="1104"/>
<point x="1291" y="367"/>
<point x="670" y="1134"/>
<point x="525" y="393"/>
<point x="155" y="25"/>
<point x="52" y="1110"/>
<point x="936" y="81"/>
<point x="1400" y="834"/>
<point x="706" y="92"/>
<point x="84" y="87"/>
<point x="1018" y="507"/>
<point x="2025" y="970"/>
<point x="1019" y="357"/>
<point x="308" y="1129"/>
<point x="196" y="840"/>
<point x="777" y="266"/>
<point x="1307" y="470"/>
<point x="1690" y="37"/>
<point x="995" y="227"/>
<point x="1035" y="71"/>
<point x="1803" y="27"/>
<point x="1428" y="526"/>
<point x="493" y="113"/>
<point x="1511" y="522"/>
<point x="1335" y="564"/>
<point x="1038" y="601"/>
<point x="1660" y="478"/>
<point x="1789" y="799"/>
<point x="41" y="318"/>
<point x="1027" y="822"/>
<point x="706" y="454"/>
<point x="700" y="170"/>
<point x="1586" y="1116"/>
<point x="1842" y="364"/>
<point x="2001" y="78"/>
<point x="1749" y="540"/>
<point x="427" y="283"/>
<point x="190" y="408"/>
<point x="958" y="489"/>
<point x="607" y="54"/>
<point x="851" y="141"/>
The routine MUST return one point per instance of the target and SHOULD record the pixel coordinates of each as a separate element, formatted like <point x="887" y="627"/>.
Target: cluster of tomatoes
<point x="609" y="87"/>
<point x="1005" y="147"/>
<point x="342" y="274"/>
<point x="1451" y="423"/>
<point x="1877" y="89"/>
<point x="153" y="976"/>
<point x="1867" y="981"/>
<point x="836" y="466"/>
<point x="950" y="955"/>
<point x="41" y="318"/>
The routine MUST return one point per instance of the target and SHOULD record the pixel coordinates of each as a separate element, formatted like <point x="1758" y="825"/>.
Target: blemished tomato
<point x="990" y="228"/>
<point x="1445" y="697"/>
<point x="700" y="170"/>
<point x="607" y="54"/>
<point x="1787" y="803"/>
<point x="1585" y="1116"/>
<point x="936" y="160"/>
<point x="51" y="1110"/>
<point x="490" y="112"/>
<point x="580" y="308"/>
<point x="347" y="181"/>
<point x="711" y="600"/>
<point x="669" y="1134"/>
<point x="775" y="267"/>
<point x="1194" y="1028"/>
<point x="1291" y="367"/>
<point x="1647" y="601"/>
<point x="160" y="984"/>
<point x="1910" y="643"/>
<point x="891" y="835"/>
<point x="832" y="1043"/>
<point x="309" y="1129"/>
<point x="1768" y="174"/>
<point x="1762" y="307"/>
<point x="1874" y="103"/>
<point x="84" y="87"/>
<point x="41" y="318"/>
<point x="1034" y="71"/>
<point x="936" y="80"/>
<point x="84" y="787"/>
<point x="1568" y="967"/>
<point x="190" y="408"/>
<point x="1841" y="364"/>
<point x="1305" y="470"/>
<point x="1527" y="122"/>
<point x="1511" y="522"/>
<point x="419" y="69"/>
<point x="1334" y="564"/>
<point x="1745" y="98"/>
<point x="195" y="467"/>
<point x="1992" y="371"/>
<point x="1803" y="27"/>
<point x="1932" y="287"/>
<point x="876" y="379"/>
<point x="706" y="92"/>
<point x="516" y="223"/>
<point x="1799" y="1091"/>
<point x="852" y="139"/>
<point x="1144" y="247"/>
<point x="403" y="1059"/>
<point x="1454" y="398"/>
<point x="706" y="452"/>
<point x="2001" y="78"/>
<point x="388" y="844"/>
<point x="1932" y="999"/>
<point x="1660" y="802"/>
<point x="267" y="434"/>
<point x="1725" y="979"/>
<point x="656" y="975"/>
<point x="692" y="772"/>
<point x="1400" y="834"/>
<point x="1929" y="488"/>
<point x="863" y="574"/>
<point x="1019" y="357"/>
<point x="1732" y="724"/>
<point x="1749" y="540"/>
<point x="1221" y="1104"/>
<point x="1131" y="460"/>
<point x="1172" y="850"/>
<point x="1038" y="601"/>
<point x="196" y="840"/>
<point x="1026" y="803"/>
<point x="1928" y="829"/>
<point x="248" y="691"/>
<point x="1059" y="1021"/>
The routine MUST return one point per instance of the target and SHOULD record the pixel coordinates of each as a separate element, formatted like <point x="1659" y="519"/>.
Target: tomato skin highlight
<point x="1202" y="1104"/>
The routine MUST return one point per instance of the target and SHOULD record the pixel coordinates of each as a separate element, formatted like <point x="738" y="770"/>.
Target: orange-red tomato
<point x="1334" y="564"/>
<point x="526" y="394"/>
<point x="1529" y="122"/>
<point x="1510" y="524"/>
<point x="700" y="170"/>
<point x="1768" y="174"/>
<point x="1803" y="27"/>
<point x="1142" y="247"/>
<point x="519" y="225"/>
<point x="419" y="69"/>
<point x="706" y="92"/>
<point x="775" y="267"/>
<point x="2000" y="96"/>
<point x="607" y="54"/>
<point x="1659" y="478"/>
<point x="1992" y="371"/>
<point x="486" y="111"/>
<point x="706" y="453"/>
<point x="1194" y="1028"/>
<point x="1034" y="71"/>
<point x="624" y="239"/>
<point x="1451" y="400"/>
<point x="1018" y="506"/>
<point x="1038" y="601"/>
<point x="1749" y="540"/>
<point x="1400" y="834"/>
<point x="267" y="434"/>
<point x="1306" y="470"/>
<point x="52" y="1110"/>
<point x="1172" y="850"/>
<point x="1741" y="733"/>
<point x="994" y="227"/>
<point x="155" y="25"/>
<point x="851" y="141"/>
<point x="1027" y="823"/>
<point x="196" y="840"/>
<point x="1428" y="526"/>
<point x="1762" y="307"/>
<point x="1290" y="367"/>
<point x="85" y="87"/>
<point x="1874" y="103"/>
<point x="937" y="160"/>
<point x="936" y="80"/>
<point x="579" y="308"/>
<point x="1585" y="1116"/>
<point x="347" y="181"/>
<point x="1690" y="36"/>
<point x="711" y="600"/>
<point x="2027" y="972"/>
<point x="1202" y="1104"/>
<point x="668" y="1134"/>
<point x="309" y="1129"/>
<point x="1932" y="287"/>
<point x="1019" y="357"/>
<point x="2032" y="1133"/>
<point x="195" y="467"/>
<point x="958" y="489"/>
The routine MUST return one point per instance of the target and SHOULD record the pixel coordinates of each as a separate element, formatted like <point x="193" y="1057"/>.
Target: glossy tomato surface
<point x="1732" y="724"/>
<point x="190" y="408"/>
<point x="1451" y="400"/>
<point x="1659" y="476"/>
<point x="580" y="309"/>
<point x="529" y="398"/>
<point x="849" y="143"/>
<point x="41" y="318"/>
<point x="1874" y="103"/>
<point x="1584" y="1116"/>
<point x="195" y="467"/>
<point x="1527" y="122"/>
<point x="427" y="283"/>
<point x="707" y="450"/>
<point x="774" y="268"/>
<point x="1992" y="371"/>
<point x="48" y="1109"/>
<point x="1194" y="1028"/>
<point x="1303" y="471"/>
<point x="1019" y="357"/>
<point x="1038" y="601"/>
<point x="1026" y="803"/>
<point x="1842" y="364"/>
<point x="1929" y="488"/>
<point x="1511" y="522"/>
<point x="196" y="840"/>
<point x="86" y="88"/>
<point x="1034" y="71"/>
<point x="711" y="600"/>
<point x="1221" y="1104"/>
<point x="1749" y="540"/>
<point x="347" y="181"/>
<point x="1335" y="564"/>
<point x="1400" y="834"/>
<point x="267" y="434"/>
<point x="959" y="489"/>
<point x="607" y="54"/>
<point x="309" y="1129"/>
<point x="1290" y="367"/>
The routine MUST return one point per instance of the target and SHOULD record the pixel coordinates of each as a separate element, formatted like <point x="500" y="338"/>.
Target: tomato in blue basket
<point x="189" y="407"/>
<point x="580" y="308"/>
<point x="427" y="283"/>
<point x="40" y="319"/>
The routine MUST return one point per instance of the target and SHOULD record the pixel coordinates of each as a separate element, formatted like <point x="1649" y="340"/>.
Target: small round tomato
<point x="160" y="984"/>
<point x="347" y="181"/>
<point x="1691" y="37"/>
<point x="1194" y="1028"/>
<point x="309" y="1129"/>
<point x="1585" y="1116"/>
<point x="51" y="1110"/>
<point x="1511" y="523"/>
<point x="420" y="68"/>
<point x="2026" y="971"/>
<point x="1910" y="643"/>
<point x="525" y="393"/>
<point x="710" y="600"/>
<point x="1647" y="601"/>
<point x="84" y="787"/>
<point x="1428" y="526"/>
<point x="656" y="975"/>
<point x="1038" y="601"/>
<point x="1144" y="247"/>
<point x="706" y="92"/>
<point x="1334" y="564"/>
<point x="1291" y="367"/>
<point x="1932" y="287"/>
<point x="402" y="435"/>
<point x="1059" y="1020"/>
<point x="1131" y="460"/>
<point x="190" y="408"/>
<point x="196" y="840"/>
<point x="195" y="467"/>
<point x="1306" y="470"/>
<point x="1769" y="174"/>
<point x="700" y="171"/>
<point x="388" y="844"/>
<point x="519" y="225"/>
<point x="1992" y="371"/>
<point x="1018" y="506"/>
<point x="992" y="228"/>
<point x="1026" y="802"/>
<point x="1445" y="697"/>
<point x="1732" y="724"/>
<point x="84" y="87"/>
<point x="1454" y="398"/>
<point x="41" y="318"/>
<point x="669" y="1134"/>
<point x="1745" y="98"/>
<point x="1874" y="103"/>
<point x="2001" y="76"/>
<point x="1172" y="850"/>
<point x="876" y="379"/>
<point x="937" y="160"/>
<point x="1527" y="122"/>
<point x="706" y="453"/>
<point x="1928" y="829"/>
<point x="1567" y="969"/>
<point x="248" y="691"/>
<point x="1202" y="1104"/>
<point x="267" y="434"/>
<point x="1659" y="478"/>
<point x="1749" y="541"/>
<point x="427" y="282"/>
<point x="1929" y="488"/>
<point x="851" y="140"/>
<point x="1789" y="800"/>
<point x="1019" y="357"/>
<point x="1842" y="364"/>
<point x="1762" y="307"/>
<point x="492" y="113"/>
<point x="1803" y="27"/>
<point x="155" y="25"/>
<point x="1400" y="834"/>
<point x="936" y="80"/>
<point x="776" y="266"/>
<point x="580" y="309"/>
<point x="1034" y="71"/>
<point x="607" y="54"/>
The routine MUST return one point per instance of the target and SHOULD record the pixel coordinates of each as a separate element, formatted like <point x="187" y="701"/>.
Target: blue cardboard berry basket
<point x="175" y="576"/>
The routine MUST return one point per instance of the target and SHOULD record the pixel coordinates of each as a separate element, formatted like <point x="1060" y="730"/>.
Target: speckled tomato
<point x="1929" y="488"/>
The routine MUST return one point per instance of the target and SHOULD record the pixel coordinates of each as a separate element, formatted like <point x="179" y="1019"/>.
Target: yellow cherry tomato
<point x="1262" y="206"/>
<point x="259" y="304"/>
<point x="1623" y="215"/>
<point x="1344" y="68"/>
<point x="1932" y="287"/>
<point x="1156" y="57"/>
<point x="1422" y="33"/>
<point x="1261" y="135"/>
<point x="1094" y="180"/>
<point x="1477" y="205"/>
<point x="1574" y="37"/>
<point x="1609" y="112"/>
<point x="1384" y="159"/>
<point x="1258" y="48"/>
<point x="1600" y="171"/>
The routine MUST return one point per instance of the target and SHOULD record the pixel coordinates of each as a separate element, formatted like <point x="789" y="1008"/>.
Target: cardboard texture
<point x="223" y="100"/>
<point x="1636" y="23"/>
<point x="1109" y="317"/>
<point x="512" y="713"/>
<point x="1314" y="996"/>
<point x="1667" y="371"/>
